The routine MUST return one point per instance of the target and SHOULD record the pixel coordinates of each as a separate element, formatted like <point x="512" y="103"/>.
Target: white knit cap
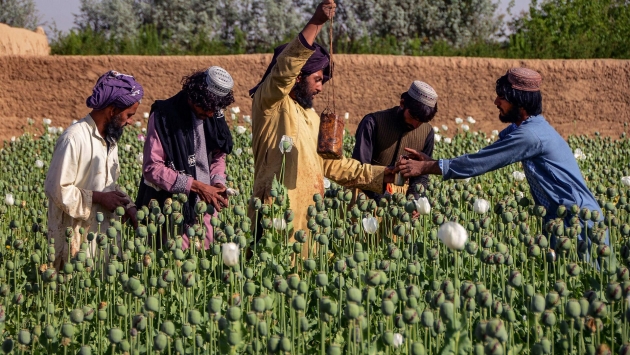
<point x="219" y="81"/>
<point x="423" y="92"/>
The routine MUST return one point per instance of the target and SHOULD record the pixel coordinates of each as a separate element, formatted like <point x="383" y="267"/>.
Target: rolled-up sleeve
<point x="154" y="169"/>
<point x="515" y="146"/>
<point x="59" y="186"/>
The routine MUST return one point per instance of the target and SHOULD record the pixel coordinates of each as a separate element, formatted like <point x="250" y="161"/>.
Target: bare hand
<point x="211" y="194"/>
<point x="410" y="168"/>
<point x="130" y="214"/>
<point x="324" y="12"/>
<point x="110" y="200"/>
<point x="416" y="155"/>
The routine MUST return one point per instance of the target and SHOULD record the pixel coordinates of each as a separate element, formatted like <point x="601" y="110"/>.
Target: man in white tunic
<point x="81" y="181"/>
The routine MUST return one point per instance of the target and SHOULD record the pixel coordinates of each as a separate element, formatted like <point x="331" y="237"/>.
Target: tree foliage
<point x="19" y="13"/>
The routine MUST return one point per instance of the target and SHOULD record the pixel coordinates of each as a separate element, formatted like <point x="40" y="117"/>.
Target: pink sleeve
<point x="154" y="169"/>
<point x="217" y="168"/>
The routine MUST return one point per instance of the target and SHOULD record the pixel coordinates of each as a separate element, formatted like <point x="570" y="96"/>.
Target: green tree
<point x="19" y="13"/>
<point x="573" y="29"/>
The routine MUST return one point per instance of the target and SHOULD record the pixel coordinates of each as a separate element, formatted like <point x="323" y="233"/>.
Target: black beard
<point x="114" y="129"/>
<point x="512" y="116"/>
<point x="302" y="95"/>
<point x="401" y="117"/>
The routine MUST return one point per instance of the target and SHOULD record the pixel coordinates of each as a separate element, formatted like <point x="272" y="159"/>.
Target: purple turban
<point x="117" y="89"/>
<point x="319" y="60"/>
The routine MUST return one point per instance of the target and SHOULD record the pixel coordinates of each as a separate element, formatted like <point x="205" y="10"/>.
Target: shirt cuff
<point x="182" y="184"/>
<point x="218" y="179"/>
<point x="305" y="43"/>
<point x="444" y="163"/>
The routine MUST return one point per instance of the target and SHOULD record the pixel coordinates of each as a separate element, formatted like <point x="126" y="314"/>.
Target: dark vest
<point x="390" y="137"/>
<point x="174" y="126"/>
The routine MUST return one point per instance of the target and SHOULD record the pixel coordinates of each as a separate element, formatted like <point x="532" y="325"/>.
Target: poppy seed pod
<point x="598" y="309"/>
<point x="352" y="311"/>
<point x="552" y="299"/>
<point x="538" y="303"/>
<point x="76" y="316"/>
<point x="298" y="303"/>
<point x="573" y="309"/>
<point x="549" y="318"/>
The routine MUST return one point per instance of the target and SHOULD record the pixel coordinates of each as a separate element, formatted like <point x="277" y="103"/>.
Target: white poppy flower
<point x="8" y="199"/>
<point x="52" y="130"/>
<point x="238" y="152"/>
<point x="370" y="225"/>
<point x="437" y="137"/>
<point x="30" y="121"/>
<point x="13" y="139"/>
<point x="481" y="206"/>
<point x="241" y="129"/>
<point x="458" y="120"/>
<point x="127" y="147"/>
<point x="465" y="180"/>
<point x="444" y="127"/>
<point x="495" y="132"/>
<point x="247" y="118"/>
<point x="465" y="127"/>
<point x="423" y="206"/>
<point x="235" y="110"/>
<point x="436" y="130"/>
<point x="146" y="115"/>
<point x="230" y="254"/>
<point x="138" y="124"/>
<point x="326" y="183"/>
<point x="39" y="164"/>
<point x="286" y="144"/>
<point x="346" y="115"/>
<point x="518" y="176"/>
<point x="232" y="192"/>
<point x="59" y="129"/>
<point x="140" y="158"/>
<point x="398" y="340"/>
<point x="447" y="140"/>
<point x="233" y="117"/>
<point x="279" y="224"/>
<point x="47" y="121"/>
<point x="579" y="154"/>
<point x="625" y="180"/>
<point x="144" y="130"/>
<point x="453" y="235"/>
<point x="471" y="120"/>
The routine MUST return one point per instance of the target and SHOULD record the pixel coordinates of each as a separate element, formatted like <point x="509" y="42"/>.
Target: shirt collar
<point x="95" y="133"/>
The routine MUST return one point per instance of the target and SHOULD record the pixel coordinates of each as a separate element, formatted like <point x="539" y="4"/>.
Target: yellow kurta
<point x="81" y="164"/>
<point x="274" y="114"/>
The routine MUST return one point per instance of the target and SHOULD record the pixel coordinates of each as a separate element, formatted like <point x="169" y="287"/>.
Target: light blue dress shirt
<point x="548" y="162"/>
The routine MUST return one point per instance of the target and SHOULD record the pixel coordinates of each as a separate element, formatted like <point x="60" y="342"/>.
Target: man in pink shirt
<point x="186" y="144"/>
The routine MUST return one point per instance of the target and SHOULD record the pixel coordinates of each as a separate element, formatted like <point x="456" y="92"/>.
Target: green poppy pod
<point x="76" y="316"/>
<point x="273" y="344"/>
<point x="50" y="332"/>
<point x="447" y="312"/>
<point x="187" y="330"/>
<point x="139" y="323"/>
<point x="351" y="311"/>
<point x="160" y="342"/>
<point x="603" y="250"/>
<point x="573" y="309"/>
<point x="233" y="314"/>
<point x="179" y="346"/>
<point x="178" y="254"/>
<point x="598" y="309"/>
<point x="102" y="314"/>
<point x="388" y="338"/>
<point x="613" y="292"/>
<point x="549" y="318"/>
<point x="299" y="303"/>
<point x="194" y="317"/>
<point x="18" y="299"/>
<point x="24" y="337"/>
<point x="537" y="304"/>
<point x="493" y="347"/>
<point x="497" y="307"/>
<point x="484" y="299"/>
<point x="388" y="307"/>
<point x="302" y="287"/>
<point x="497" y="330"/>
<point x="249" y="288"/>
<point x="471" y="248"/>
<point x="353" y="294"/>
<point x="427" y="318"/>
<point x="552" y="299"/>
<point x="508" y="313"/>
<point x="262" y="328"/>
<point x="67" y="330"/>
<point x="7" y="345"/>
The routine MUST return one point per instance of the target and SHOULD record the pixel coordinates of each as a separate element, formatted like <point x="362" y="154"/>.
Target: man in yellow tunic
<point x="282" y="106"/>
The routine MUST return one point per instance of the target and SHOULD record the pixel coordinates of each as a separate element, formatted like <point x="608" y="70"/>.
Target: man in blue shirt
<point x="548" y="162"/>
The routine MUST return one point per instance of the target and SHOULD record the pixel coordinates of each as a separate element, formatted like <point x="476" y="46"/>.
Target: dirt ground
<point x="580" y="96"/>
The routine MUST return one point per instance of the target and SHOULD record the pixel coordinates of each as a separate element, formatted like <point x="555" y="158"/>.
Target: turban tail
<point x="319" y="60"/>
<point x="114" y="88"/>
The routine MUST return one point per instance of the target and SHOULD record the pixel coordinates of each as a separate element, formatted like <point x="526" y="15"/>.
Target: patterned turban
<point x="114" y="88"/>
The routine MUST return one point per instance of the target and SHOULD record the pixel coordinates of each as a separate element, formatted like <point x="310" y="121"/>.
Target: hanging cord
<point x="332" y="64"/>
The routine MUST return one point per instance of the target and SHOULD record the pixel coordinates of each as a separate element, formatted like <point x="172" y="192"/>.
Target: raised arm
<point x="289" y="63"/>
